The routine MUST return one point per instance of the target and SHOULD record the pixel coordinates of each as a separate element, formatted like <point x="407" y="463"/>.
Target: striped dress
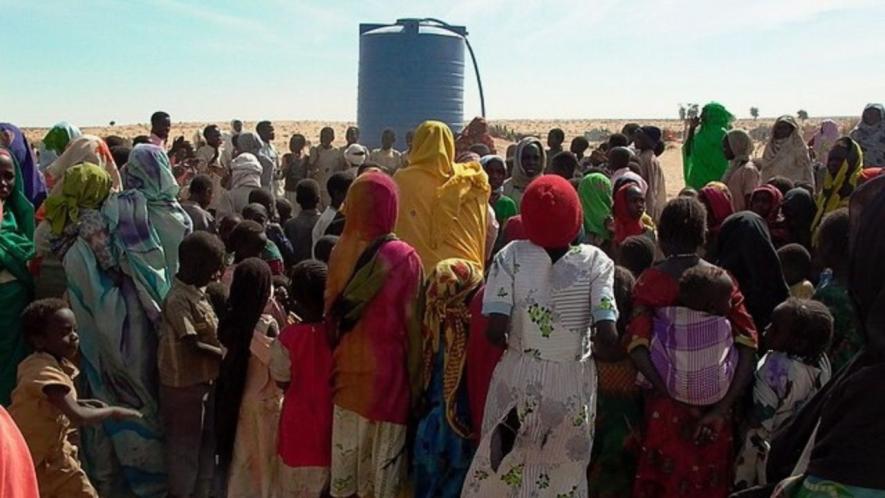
<point x="544" y="387"/>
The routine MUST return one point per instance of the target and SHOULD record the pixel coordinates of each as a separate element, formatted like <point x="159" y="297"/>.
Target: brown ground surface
<point x="671" y="159"/>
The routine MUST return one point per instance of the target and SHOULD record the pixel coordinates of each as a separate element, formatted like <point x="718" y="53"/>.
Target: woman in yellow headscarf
<point x="844" y="165"/>
<point x="443" y="206"/>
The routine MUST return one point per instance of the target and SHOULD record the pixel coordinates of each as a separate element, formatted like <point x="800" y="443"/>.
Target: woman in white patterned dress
<point x="547" y="296"/>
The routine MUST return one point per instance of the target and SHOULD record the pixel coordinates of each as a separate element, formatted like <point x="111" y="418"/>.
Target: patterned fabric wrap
<point x="446" y="319"/>
<point x="695" y="354"/>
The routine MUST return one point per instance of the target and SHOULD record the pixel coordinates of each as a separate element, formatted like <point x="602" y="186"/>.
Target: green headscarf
<point x="17" y="228"/>
<point x="595" y="192"/>
<point x="703" y="160"/>
<point x="85" y="186"/>
<point x="58" y="138"/>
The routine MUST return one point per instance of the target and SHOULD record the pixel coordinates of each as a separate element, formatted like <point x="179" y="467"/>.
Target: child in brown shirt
<point x="188" y="356"/>
<point x="45" y="405"/>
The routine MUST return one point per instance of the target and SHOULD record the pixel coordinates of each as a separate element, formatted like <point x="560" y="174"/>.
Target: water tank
<point x="409" y="72"/>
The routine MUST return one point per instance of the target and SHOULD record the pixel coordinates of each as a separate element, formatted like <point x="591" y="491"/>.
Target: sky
<point x="93" y="61"/>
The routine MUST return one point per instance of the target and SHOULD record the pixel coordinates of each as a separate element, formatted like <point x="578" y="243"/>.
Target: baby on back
<point x="706" y="288"/>
<point x="693" y="346"/>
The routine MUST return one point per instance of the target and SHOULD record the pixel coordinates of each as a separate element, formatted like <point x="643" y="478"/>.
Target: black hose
<point x="445" y="25"/>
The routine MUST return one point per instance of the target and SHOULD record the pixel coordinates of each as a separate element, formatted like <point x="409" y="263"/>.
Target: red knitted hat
<point x="551" y="212"/>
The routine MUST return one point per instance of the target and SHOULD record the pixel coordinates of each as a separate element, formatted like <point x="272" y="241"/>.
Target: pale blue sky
<point x="92" y="61"/>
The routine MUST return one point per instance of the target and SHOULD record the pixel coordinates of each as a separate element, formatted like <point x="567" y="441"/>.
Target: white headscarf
<point x="787" y="157"/>
<point x="245" y="171"/>
<point x="355" y="155"/>
<point x="871" y="138"/>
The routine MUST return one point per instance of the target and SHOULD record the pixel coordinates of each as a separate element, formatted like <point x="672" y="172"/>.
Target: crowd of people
<point x="211" y="318"/>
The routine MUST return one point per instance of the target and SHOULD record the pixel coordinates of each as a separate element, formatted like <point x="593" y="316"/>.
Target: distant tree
<point x="682" y="112"/>
<point x="112" y="123"/>
<point x="694" y="110"/>
<point x="754" y="112"/>
<point x="802" y="114"/>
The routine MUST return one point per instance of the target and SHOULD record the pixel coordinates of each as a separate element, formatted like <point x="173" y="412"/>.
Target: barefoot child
<point x="188" y="358"/>
<point x="301" y="364"/>
<point x="790" y="373"/>
<point x="45" y="405"/>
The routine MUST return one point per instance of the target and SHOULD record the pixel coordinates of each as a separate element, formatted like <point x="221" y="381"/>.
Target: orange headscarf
<point x="370" y="211"/>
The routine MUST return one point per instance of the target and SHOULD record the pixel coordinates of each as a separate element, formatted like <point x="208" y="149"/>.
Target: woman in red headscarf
<point x="766" y="201"/>
<point x="716" y="197"/>
<point x="628" y="212"/>
<point x="547" y="364"/>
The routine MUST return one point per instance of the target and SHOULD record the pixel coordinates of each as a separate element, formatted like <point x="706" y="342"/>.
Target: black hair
<point x="660" y="147"/>
<point x="388" y="130"/>
<point x="795" y="262"/>
<point x="217" y="294"/>
<point x="253" y="210"/>
<point x="209" y="127"/>
<point x="265" y="198"/>
<point x="704" y="288"/>
<point x="200" y="184"/>
<point x="600" y="170"/>
<point x="159" y="116"/>
<point x="619" y="157"/>
<point x="630" y="129"/>
<point x="806" y="187"/>
<point x="226" y="225"/>
<point x="35" y="317"/>
<point x="121" y="155"/>
<point x="200" y="254"/>
<point x="307" y="193"/>
<point x="284" y="208"/>
<point x="579" y="142"/>
<point x="246" y="235"/>
<point x="811" y="325"/>
<point x="564" y="164"/>
<point x="618" y="140"/>
<point x="623" y="290"/>
<point x="115" y="141"/>
<point x="339" y="182"/>
<point x="683" y="226"/>
<point x="636" y="253"/>
<point x="141" y="139"/>
<point x="688" y="192"/>
<point x="833" y="237"/>
<point x="557" y="133"/>
<point x="782" y="183"/>
<point x="323" y="247"/>
<point x="262" y="124"/>
<point x="480" y="149"/>
<point x="308" y="285"/>
<point x="281" y="281"/>
<point x="298" y="136"/>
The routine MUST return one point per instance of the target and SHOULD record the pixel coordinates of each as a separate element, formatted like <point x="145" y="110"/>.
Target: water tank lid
<point x="414" y="25"/>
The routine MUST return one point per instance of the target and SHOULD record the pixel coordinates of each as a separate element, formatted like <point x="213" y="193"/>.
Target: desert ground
<point x="592" y="128"/>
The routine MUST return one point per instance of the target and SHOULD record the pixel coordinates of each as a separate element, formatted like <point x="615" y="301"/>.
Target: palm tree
<point x="754" y="112"/>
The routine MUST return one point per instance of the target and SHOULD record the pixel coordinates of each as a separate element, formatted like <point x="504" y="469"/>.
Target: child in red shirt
<point x="301" y="363"/>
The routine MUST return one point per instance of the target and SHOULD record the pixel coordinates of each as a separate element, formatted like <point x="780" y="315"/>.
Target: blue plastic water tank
<point x="409" y="72"/>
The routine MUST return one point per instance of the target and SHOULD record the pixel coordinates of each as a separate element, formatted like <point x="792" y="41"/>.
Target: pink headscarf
<point x="824" y="138"/>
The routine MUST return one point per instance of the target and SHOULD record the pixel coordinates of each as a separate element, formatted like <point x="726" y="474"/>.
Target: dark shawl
<point x="745" y="250"/>
<point x="248" y="296"/>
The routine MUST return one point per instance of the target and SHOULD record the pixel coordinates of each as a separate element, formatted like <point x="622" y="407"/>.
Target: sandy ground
<point x="671" y="159"/>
